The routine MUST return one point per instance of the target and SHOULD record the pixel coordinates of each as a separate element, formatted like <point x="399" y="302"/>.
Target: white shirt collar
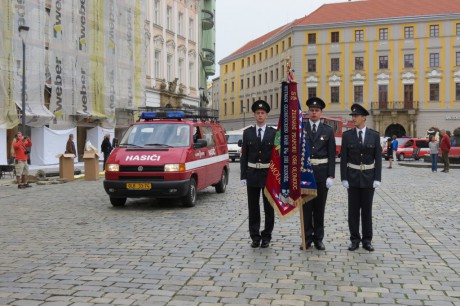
<point x="262" y="127"/>
<point x="313" y="122"/>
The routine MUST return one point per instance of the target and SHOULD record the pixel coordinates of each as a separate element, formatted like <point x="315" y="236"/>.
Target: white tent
<point x="47" y="143"/>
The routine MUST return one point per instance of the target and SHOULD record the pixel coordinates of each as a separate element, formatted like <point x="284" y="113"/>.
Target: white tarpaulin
<point x="96" y="136"/>
<point x="47" y="143"/>
<point x="3" y="148"/>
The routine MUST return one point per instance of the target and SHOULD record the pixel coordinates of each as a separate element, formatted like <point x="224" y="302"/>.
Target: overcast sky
<point x="240" y="21"/>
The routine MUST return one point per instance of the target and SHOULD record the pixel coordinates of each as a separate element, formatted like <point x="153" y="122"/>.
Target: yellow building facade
<point x="402" y="64"/>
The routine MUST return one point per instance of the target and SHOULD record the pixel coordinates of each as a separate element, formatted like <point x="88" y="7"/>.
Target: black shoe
<point x="265" y="244"/>
<point x="27" y="185"/>
<point x="320" y="246"/>
<point x="443" y="170"/>
<point x="255" y="244"/>
<point x="307" y="246"/>
<point x="368" y="247"/>
<point x="353" y="246"/>
<point x="21" y="186"/>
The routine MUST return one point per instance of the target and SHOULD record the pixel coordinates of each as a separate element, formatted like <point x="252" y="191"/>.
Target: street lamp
<point x="23" y="30"/>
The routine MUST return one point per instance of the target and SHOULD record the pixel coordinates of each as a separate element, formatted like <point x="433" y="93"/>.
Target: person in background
<point x="321" y="143"/>
<point x="390" y="152"/>
<point x="20" y="159"/>
<point x="445" y="148"/>
<point x="434" y="151"/>
<point x="256" y="153"/>
<point x="70" y="146"/>
<point x="106" y="148"/>
<point x="361" y="173"/>
<point x="395" y="145"/>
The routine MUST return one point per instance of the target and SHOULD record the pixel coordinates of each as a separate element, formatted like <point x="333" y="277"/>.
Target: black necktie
<point x="314" y="129"/>
<point x="360" y="137"/>
<point x="260" y="134"/>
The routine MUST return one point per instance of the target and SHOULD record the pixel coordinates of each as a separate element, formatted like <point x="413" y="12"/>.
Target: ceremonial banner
<point x="290" y="180"/>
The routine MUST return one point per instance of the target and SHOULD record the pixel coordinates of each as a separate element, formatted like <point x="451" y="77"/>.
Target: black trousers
<point x="313" y="215"/>
<point x="360" y="204"/>
<point x="254" y="215"/>
<point x="106" y="155"/>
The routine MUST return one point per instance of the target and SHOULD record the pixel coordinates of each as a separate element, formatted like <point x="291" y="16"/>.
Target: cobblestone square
<point x="66" y="245"/>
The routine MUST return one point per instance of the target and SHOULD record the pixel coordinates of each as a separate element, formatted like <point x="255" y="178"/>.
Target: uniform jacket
<point x="254" y="151"/>
<point x="367" y="153"/>
<point x="322" y="145"/>
<point x="445" y="143"/>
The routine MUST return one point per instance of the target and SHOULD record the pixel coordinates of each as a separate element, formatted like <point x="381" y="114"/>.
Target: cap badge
<point x="260" y="105"/>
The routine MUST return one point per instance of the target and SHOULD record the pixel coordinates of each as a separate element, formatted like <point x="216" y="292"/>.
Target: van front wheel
<point x="222" y="185"/>
<point x="190" y="198"/>
<point x="401" y="157"/>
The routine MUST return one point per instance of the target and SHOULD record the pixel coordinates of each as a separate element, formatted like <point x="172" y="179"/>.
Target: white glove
<point x="329" y="182"/>
<point x="376" y="184"/>
<point x="243" y="183"/>
<point x="345" y="184"/>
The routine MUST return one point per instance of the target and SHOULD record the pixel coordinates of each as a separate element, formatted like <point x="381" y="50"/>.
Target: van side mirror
<point x="200" y="143"/>
<point x="240" y="143"/>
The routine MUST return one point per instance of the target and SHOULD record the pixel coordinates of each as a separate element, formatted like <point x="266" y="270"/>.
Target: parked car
<point x="168" y="154"/>
<point x="234" y="152"/>
<point x="410" y="148"/>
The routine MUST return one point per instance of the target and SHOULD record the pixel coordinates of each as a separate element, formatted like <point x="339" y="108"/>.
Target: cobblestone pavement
<point x="66" y="245"/>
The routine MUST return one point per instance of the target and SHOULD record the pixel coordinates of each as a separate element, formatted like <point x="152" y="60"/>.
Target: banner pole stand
<point x="302" y="229"/>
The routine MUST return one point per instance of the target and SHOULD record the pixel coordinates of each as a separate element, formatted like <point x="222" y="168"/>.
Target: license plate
<point x="138" y="186"/>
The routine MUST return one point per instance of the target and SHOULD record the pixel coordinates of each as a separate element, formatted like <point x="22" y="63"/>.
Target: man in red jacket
<point x="20" y="159"/>
<point x="445" y="148"/>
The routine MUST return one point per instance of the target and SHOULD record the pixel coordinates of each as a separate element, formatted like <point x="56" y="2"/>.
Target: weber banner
<point x="290" y="180"/>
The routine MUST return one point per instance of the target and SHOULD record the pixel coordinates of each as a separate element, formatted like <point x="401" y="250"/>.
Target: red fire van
<point x="168" y="154"/>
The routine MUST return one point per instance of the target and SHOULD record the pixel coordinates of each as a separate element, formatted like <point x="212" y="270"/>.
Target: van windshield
<point x="233" y="138"/>
<point x="157" y="134"/>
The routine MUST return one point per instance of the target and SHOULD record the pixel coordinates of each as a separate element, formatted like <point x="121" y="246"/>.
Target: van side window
<point x="409" y="143"/>
<point x="196" y="134"/>
<point x="208" y="135"/>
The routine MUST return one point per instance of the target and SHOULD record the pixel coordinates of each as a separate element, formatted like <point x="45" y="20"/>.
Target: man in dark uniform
<point x="254" y="162"/>
<point x="361" y="173"/>
<point x="321" y="142"/>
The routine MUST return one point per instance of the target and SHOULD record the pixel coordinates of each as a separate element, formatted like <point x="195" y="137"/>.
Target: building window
<point x="434" y="30"/>
<point x="156" y="12"/>
<point x="358" y="93"/>
<point x="248" y="83"/>
<point x="408" y="32"/>
<point x="181" y="70"/>
<point x="276" y="74"/>
<point x="225" y="109"/>
<point x="334" y="37"/>
<point x="458" y="29"/>
<point x="335" y="64"/>
<point x="383" y="34"/>
<point x="359" y="63"/>
<point x="271" y="76"/>
<point x="383" y="93"/>
<point x="457" y="58"/>
<point x="457" y="91"/>
<point x="169" y="20"/>
<point x="276" y="101"/>
<point x="225" y="88"/>
<point x="311" y="92"/>
<point x="434" y="92"/>
<point x="253" y="81"/>
<point x="383" y="62"/>
<point x="180" y="24"/>
<point x="191" y="29"/>
<point x="335" y="96"/>
<point x="241" y="84"/>
<point x="260" y="79"/>
<point x="312" y="65"/>
<point x="408" y="61"/>
<point x="191" y="74"/>
<point x="157" y="62"/>
<point x="233" y="86"/>
<point x="434" y="59"/>
<point x="169" y="68"/>
<point x="312" y="38"/>
<point x="233" y="108"/>
<point x="266" y="77"/>
<point x="359" y="35"/>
